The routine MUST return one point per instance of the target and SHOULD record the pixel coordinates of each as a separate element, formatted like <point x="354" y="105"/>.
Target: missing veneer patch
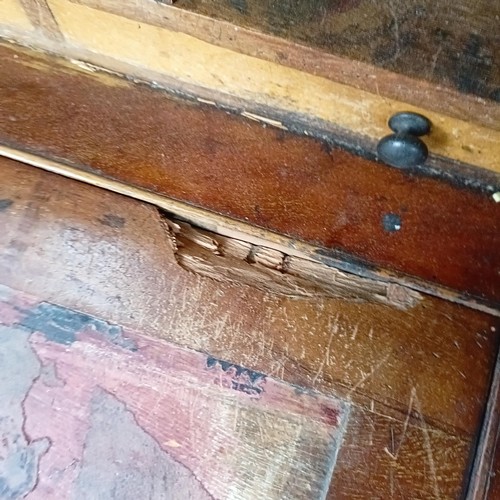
<point x="236" y="261"/>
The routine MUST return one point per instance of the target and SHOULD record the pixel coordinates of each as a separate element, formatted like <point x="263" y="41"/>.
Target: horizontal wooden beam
<point x="148" y="50"/>
<point x="201" y="162"/>
<point x="234" y="35"/>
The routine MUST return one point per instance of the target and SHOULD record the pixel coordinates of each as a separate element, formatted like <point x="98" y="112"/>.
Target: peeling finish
<point x="143" y="469"/>
<point x="19" y="457"/>
<point x="238" y="378"/>
<point x="160" y="422"/>
<point x="5" y="204"/>
<point x="62" y="325"/>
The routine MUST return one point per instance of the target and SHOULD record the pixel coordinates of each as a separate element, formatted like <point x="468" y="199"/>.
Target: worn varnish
<point x="91" y="410"/>
<point x="235" y="36"/>
<point x="416" y="379"/>
<point x="348" y="206"/>
<point x="449" y="44"/>
<point x="314" y="93"/>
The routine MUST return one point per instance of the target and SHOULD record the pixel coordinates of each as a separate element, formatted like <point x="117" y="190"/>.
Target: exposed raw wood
<point x="13" y="15"/>
<point x="453" y="44"/>
<point x="41" y="18"/>
<point x="416" y="379"/>
<point x="236" y="261"/>
<point x="157" y="54"/>
<point x="404" y="447"/>
<point x="336" y="206"/>
<point x="316" y="62"/>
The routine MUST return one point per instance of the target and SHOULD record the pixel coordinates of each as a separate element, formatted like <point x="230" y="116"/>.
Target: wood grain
<point x="312" y="104"/>
<point x="414" y="91"/>
<point x="42" y="18"/>
<point x="484" y="482"/>
<point x="449" y="44"/>
<point x="236" y="261"/>
<point x="124" y="416"/>
<point x="329" y="198"/>
<point x="13" y="16"/>
<point x="417" y="378"/>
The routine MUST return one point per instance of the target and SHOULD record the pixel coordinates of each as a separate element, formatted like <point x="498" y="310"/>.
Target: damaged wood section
<point x="231" y="260"/>
<point x="362" y="216"/>
<point x="416" y="379"/>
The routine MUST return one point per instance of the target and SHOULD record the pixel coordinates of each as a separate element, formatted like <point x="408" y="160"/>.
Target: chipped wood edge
<point x="233" y="260"/>
<point x="231" y="228"/>
<point x="478" y="488"/>
<point x="221" y="74"/>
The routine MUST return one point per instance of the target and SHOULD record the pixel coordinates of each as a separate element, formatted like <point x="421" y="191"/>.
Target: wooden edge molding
<point x="487" y="458"/>
<point x="316" y="62"/>
<point x="249" y="234"/>
<point x="155" y="50"/>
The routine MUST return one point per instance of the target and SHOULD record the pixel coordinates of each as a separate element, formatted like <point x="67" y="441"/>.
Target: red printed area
<point x="91" y="410"/>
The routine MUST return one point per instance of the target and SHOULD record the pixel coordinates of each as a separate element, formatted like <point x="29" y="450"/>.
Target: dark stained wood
<point x="271" y="178"/>
<point x="417" y="379"/>
<point x="451" y="44"/>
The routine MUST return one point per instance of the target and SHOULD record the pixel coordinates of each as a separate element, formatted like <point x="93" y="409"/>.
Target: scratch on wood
<point x="428" y="446"/>
<point x="42" y="18"/>
<point x="367" y="376"/>
<point x="414" y="403"/>
<point x="334" y="328"/>
<point x="236" y="261"/>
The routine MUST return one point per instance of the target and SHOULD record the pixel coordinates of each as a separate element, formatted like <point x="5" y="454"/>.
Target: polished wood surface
<point x="155" y="45"/>
<point x="417" y="379"/>
<point x="297" y="186"/>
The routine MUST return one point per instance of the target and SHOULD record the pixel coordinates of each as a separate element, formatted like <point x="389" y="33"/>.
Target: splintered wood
<point x="236" y="261"/>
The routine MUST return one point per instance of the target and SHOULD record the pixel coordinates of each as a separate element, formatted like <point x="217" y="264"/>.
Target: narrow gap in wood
<point x="487" y="440"/>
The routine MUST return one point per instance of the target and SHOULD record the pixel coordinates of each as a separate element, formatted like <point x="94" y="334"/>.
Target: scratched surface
<point x="89" y="410"/>
<point x="292" y="185"/>
<point x="416" y="379"/>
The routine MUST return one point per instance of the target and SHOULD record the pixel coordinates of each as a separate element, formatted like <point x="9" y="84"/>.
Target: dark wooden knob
<point x="404" y="149"/>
